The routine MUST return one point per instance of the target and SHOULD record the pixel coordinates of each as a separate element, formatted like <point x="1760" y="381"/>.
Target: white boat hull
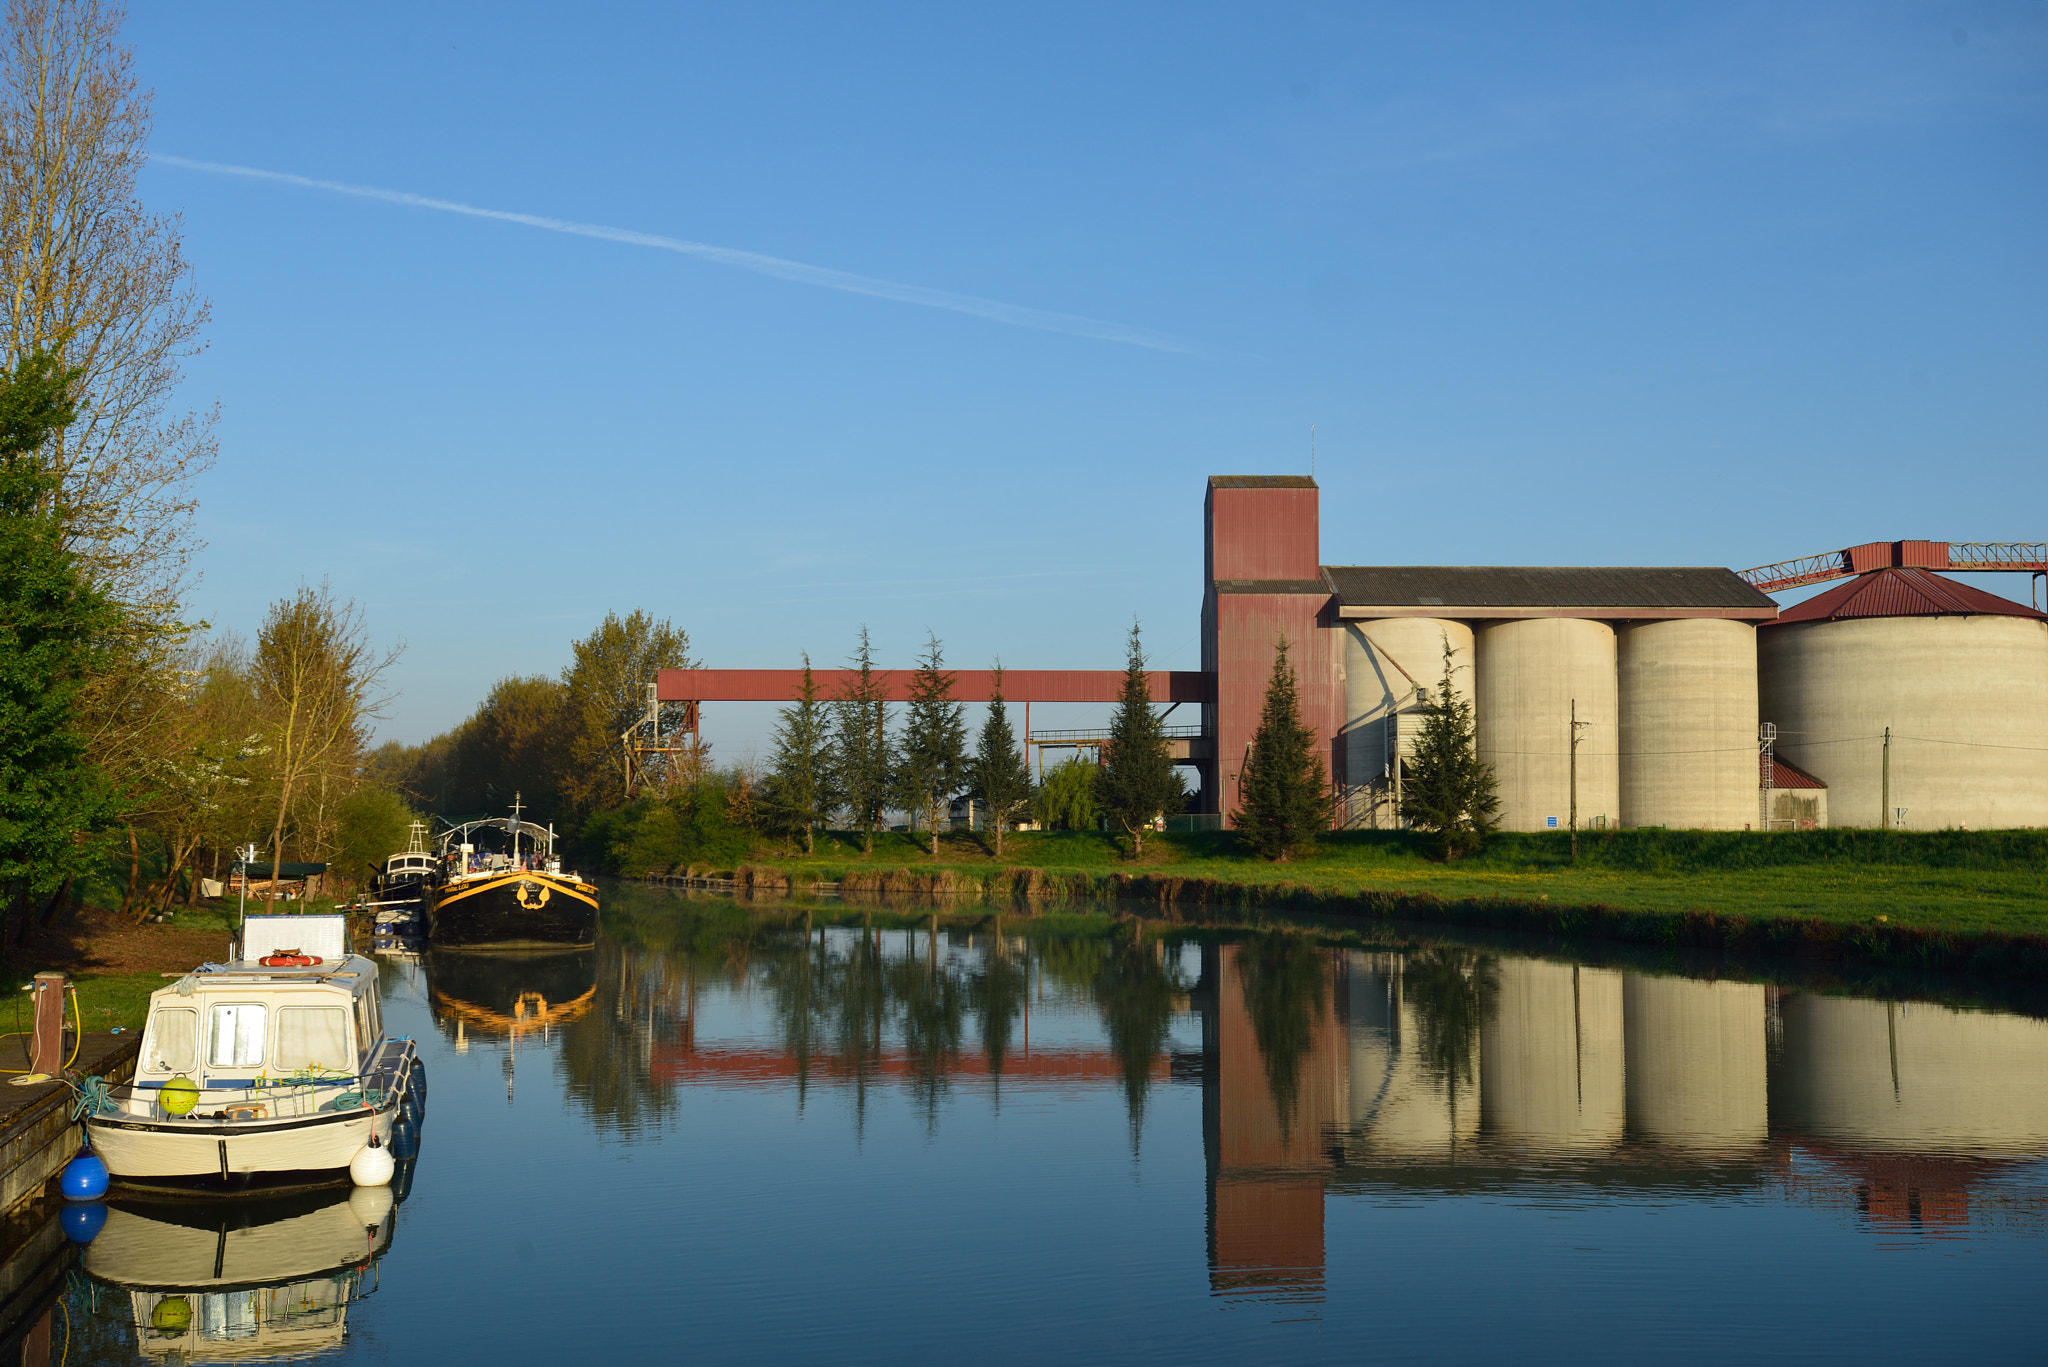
<point x="139" y="1151"/>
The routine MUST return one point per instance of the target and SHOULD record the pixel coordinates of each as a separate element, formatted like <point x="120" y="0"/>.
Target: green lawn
<point x="1955" y="881"/>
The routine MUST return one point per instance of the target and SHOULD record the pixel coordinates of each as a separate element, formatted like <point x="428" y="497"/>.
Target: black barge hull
<point x="514" y="911"/>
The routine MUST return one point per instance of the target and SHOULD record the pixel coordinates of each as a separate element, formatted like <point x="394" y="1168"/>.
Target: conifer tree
<point x="862" y="756"/>
<point x="932" y="758"/>
<point x="1449" y="790"/>
<point x="54" y="631"/>
<point x="1283" y="792"/>
<point x="1137" y="781"/>
<point x="798" y="793"/>
<point x="998" y="775"/>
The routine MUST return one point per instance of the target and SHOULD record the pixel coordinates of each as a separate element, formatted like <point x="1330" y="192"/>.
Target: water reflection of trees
<point x="1135" y="991"/>
<point x="1285" y="978"/>
<point x="1454" y="992"/>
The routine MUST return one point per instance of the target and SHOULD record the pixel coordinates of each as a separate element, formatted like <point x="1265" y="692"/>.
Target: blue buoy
<point x="84" y="1179"/>
<point x="405" y="1139"/>
<point x="81" y="1221"/>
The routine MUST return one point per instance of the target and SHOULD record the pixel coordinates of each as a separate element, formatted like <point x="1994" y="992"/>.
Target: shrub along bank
<point x="1950" y="899"/>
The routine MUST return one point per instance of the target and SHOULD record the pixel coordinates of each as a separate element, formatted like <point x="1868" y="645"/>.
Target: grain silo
<point x="1537" y="678"/>
<point x="1912" y="1077"/>
<point x="1688" y="724"/>
<point x="1391" y="667"/>
<point x="1904" y="689"/>
<point x="1550" y="1057"/>
<point x="1696" y="1076"/>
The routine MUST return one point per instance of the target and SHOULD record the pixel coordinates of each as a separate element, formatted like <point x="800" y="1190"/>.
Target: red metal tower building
<point x="1264" y="583"/>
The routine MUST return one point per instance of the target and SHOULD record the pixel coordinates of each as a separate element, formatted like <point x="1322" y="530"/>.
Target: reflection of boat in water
<point x="517" y="897"/>
<point x="510" y="994"/>
<point x="214" y="1282"/>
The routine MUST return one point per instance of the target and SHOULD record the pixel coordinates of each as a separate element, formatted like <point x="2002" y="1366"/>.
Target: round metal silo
<point x="1696" y="1069"/>
<point x="1530" y="673"/>
<point x="1386" y="662"/>
<point x="1964" y="696"/>
<point x="1912" y="1077"/>
<point x="1688" y="724"/>
<point x="1550" y="1057"/>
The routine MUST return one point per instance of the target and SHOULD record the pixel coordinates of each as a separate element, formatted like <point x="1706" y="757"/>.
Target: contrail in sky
<point x="1015" y="314"/>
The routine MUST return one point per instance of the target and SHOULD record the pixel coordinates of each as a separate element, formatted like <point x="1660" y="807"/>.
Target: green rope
<point x="92" y="1098"/>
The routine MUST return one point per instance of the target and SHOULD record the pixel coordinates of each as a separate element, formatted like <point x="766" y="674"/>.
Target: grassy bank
<point x="1940" y="899"/>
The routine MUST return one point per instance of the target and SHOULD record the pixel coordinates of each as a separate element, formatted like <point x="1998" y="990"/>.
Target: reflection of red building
<point x="1267" y="1163"/>
<point x="761" y="1065"/>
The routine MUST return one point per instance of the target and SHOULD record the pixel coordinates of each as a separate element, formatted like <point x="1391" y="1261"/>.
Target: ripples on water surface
<point x="721" y="1137"/>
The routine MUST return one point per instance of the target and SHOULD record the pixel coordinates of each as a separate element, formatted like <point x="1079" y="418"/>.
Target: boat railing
<point x="304" y="1092"/>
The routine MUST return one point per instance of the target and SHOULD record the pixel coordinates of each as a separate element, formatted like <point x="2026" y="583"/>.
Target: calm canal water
<point x="724" y="1137"/>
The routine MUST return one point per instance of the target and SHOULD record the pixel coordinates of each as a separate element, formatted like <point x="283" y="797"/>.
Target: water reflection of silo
<point x="1695" y="1061"/>
<point x="1402" y="1103"/>
<point x="1551" y="1056"/>
<point x="1912" y="1076"/>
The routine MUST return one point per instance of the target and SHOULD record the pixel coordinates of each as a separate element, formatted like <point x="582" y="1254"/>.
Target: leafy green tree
<point x="1066" y="800"/>
<point x="998" y="774"/>
<point x="1284" y="792"/>
<point x="53" y="632"/>
<point x="1137" y="782"/>
<point x="1449" y="789"/>
<point x="931" y="760"/>
<point x="798" y="792"/>
<point x="863" y="757"/>
<point x="606" y="693"/>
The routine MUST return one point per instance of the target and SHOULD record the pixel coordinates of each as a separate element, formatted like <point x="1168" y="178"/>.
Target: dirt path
<point x="101" y="942"/>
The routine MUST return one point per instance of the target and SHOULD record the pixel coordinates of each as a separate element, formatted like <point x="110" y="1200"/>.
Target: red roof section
<point x="1784" y="775"/>
<point x="1895" y="591"/>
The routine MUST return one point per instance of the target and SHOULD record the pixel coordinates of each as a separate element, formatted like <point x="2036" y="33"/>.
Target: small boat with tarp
<point x="268" y="1073"/>
<point x="502" y="887"/>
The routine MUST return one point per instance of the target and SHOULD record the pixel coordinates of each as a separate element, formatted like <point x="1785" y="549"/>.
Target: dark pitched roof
<point x="1785" y="775"/>
<point x="1898" y="592"/>
<point x="1261" y="482"/>
<point x="1521" y="586"/>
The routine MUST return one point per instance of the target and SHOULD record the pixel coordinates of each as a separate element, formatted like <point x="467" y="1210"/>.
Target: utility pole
<point x="1577" y="726"/>
<point x="1884" y="809"/>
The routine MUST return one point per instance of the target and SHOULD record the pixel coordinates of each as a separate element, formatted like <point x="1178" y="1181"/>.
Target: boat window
<point x="234" y="1037"/>
<point x="173" y="1041"/>
<point x="366" y="1030"/>
<point x="311" y="1037"/>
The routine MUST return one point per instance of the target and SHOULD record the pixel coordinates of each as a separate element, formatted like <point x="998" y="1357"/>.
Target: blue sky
<point x="1574" y="283"/>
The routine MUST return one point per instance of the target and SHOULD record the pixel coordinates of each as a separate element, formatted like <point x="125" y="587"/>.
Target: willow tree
<point x="316" y="674"/>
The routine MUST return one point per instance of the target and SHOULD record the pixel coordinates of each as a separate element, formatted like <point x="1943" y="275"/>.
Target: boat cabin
<point x="247" y="1024"/>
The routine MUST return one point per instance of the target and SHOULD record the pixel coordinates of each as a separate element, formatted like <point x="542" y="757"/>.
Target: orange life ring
<point x="292" y="960"/>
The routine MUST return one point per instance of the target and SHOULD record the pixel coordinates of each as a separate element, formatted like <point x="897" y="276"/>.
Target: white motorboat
<point x="269" y="1073"/>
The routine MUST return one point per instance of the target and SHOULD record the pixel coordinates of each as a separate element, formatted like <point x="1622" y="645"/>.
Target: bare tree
<point x="317" y="675"/>
<point x="88" y="272"/>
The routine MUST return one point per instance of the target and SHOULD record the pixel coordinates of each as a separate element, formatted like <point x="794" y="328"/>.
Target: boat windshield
<point x="234" y="1038"/>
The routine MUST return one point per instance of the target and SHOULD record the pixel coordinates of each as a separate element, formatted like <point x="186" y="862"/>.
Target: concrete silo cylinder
<point x="1912" y="1077"/>
<point x="1688" y="724"/>
<point x="1966" y="699"/>
<point x="1384" y="661"/>
<point x="1696" y="1061"/>
<point x="1529" y="674"/>
<point x="1550" y="1057"/>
